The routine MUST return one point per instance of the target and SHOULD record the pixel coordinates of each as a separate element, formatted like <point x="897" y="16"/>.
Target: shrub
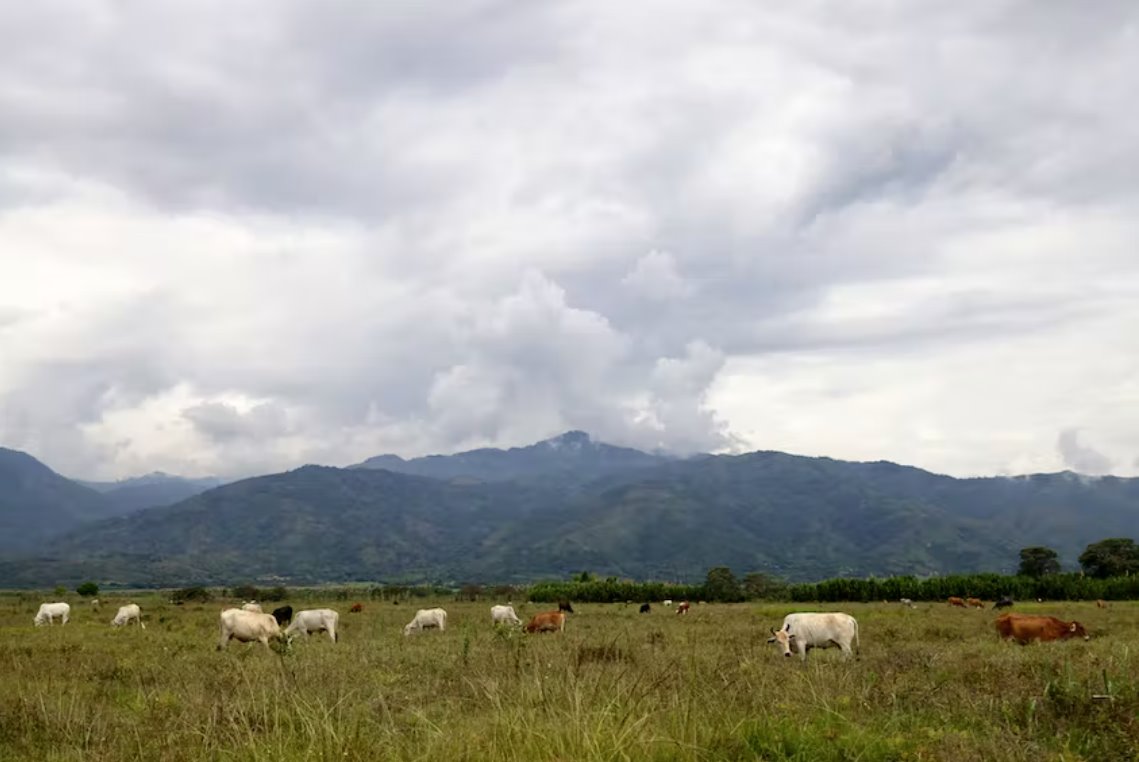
<point x="88" y="589"/>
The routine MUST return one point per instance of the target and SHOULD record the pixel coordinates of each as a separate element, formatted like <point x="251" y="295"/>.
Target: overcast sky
<point x="241" y="237"/>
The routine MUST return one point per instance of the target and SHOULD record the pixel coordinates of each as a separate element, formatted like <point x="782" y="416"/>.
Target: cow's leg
<point x="66" y="618"/>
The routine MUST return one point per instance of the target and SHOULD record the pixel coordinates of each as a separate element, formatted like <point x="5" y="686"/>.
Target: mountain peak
<point x="570" y="439"/>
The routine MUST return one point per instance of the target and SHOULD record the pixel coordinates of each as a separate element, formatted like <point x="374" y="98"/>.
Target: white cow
<point x="426" y="618"/>
<point x="247" y="626"/>
<point x="49" y="611"/>
<point x="816" y="630"/>
<point x="127" y="614"/>
<point x="253" y="606"/>
<point x="315" y="620"/>
<point x="667" y="601"/>
<point x="504" y="615"/>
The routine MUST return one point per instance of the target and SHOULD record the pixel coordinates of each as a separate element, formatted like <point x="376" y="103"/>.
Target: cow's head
<point x="783" y="638"/>
<point x="1076" y="630"/>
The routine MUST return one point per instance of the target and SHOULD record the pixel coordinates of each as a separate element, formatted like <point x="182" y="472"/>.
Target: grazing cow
<point x="315" y="620"/>
<point x="814" y="630"/>
<point x="683" y="607"/>
<point x="975" y="603"/>
<point x="504" y="615"/>
<point x="1101" y="604"/>
<point x="907" y="602"/>
<point x="426" y="619"/>
<point x="1024" y="628"/>
<point x="127" y="614"/>
<point x="49" y="611"/>
<point x="646" y="608"/>
<point x="548" y="621"/>
<point x="565" y="606"/>
<point x="253" y="606"/>
<point x="1003" y="603"/>
<point x="283" y="614"/>
<point x="955" y="601"/>
<point x="667" y="602"/>
<point x="94" y="603"/>
<point x="247" y="626"/>
<point x="355" y="608"/>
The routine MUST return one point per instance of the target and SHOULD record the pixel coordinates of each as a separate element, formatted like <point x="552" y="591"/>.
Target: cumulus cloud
<point x="235" y="239"/>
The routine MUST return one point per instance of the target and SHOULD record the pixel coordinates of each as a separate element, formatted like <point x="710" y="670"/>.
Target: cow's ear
<point x="771" y="640"/>
<point x="1072" y="627"/>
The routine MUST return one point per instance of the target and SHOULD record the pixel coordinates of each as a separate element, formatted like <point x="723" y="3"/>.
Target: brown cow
<point x="683" y="607"/>
<point x="1024" y="628"/>
<point x="355" y="608"/>
<point x="547" y="621"/>
<point x="955" y="601"/>
<point x="975" y="603"/>
<point x="1101" y="604"/>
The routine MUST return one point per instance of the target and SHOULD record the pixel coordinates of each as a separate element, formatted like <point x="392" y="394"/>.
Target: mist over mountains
<point x="550" y="509"/>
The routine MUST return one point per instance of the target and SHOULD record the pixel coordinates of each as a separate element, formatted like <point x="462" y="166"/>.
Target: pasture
<point x="931" y="683"/>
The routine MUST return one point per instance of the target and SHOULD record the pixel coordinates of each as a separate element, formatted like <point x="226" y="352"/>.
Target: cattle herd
<point x="799" y="633"/>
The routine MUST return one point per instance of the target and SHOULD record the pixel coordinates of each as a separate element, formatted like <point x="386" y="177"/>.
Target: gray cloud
<point x="333" y="231"/>
<point x="1081" y="458"/>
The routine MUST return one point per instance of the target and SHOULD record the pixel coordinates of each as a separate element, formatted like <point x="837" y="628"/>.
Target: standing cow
<point x="1003" y="603"/>
<point x="253" y="606"/>
<point x="1024" y="628"/>
<point x="548" y="621"/>
<point x="805" y="631"/>
<point x="127" y="614"/>
<point x="955" y="601"/>
<point x="426" y="619"/>
<point x="683" y="607"/>
<point x="49" y="611"/>
<point x="315" y="620"/>
<point x="246" y="627"/>
<point x="646" y="608"/>
<point x="283" y="615"/>
<point x="565" y="606"/>
<point x="504" y="615"/>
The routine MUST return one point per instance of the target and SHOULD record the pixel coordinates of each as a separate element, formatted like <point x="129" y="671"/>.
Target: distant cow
<point x="355" y="608"/>
<point x="975" y="603"/>
<point x="283" y="615"/>
<point x="1024" y="628"/>
<point x="683" y="607"/>
<point x="1101" y="604"/>
<point x="426" y="619"/>
<point x="253" y="606"/>
<point x="955" y="601"/>
<point x="315" y="620"/>
<point x="49" y="611"/>
<point x="667" y="602"/>
<point x="549" y="621"/>
<point x="127" y="614"/>
<point x="94" y="603"/>
<point x="805" y="631"/>
<point x="907" y="602"/>
<point x="646" y="608"/>
<point x="246" y="627"/>
<point x="565" y="606"/>
<point x="504" y="615"/>
<point x="1003" y="603"/>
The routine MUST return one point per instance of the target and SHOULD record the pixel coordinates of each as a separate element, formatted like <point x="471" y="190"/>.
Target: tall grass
<point x="930" y="683"/>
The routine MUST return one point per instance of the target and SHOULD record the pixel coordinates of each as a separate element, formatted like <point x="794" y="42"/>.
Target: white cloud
<point x="900" y="231"/>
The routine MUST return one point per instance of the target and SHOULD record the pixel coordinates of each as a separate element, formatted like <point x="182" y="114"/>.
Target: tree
<point x="760" y="585"/>
<point x="721" y="585"/>
<point x="1113" y="557"/>
<point x="1038" y="561"/>
<point x="88" y="589"/>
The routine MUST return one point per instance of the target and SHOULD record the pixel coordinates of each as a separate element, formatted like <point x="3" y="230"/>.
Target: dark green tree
<point x="1038" y="561"/>
<point x="722" y="585"/>
<point x="88" y="589"/>
<point x="759" y="585"/>
<point x="1113" y="557"/>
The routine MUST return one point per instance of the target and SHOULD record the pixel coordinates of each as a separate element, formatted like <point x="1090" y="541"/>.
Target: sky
<point x="236" y="238"/>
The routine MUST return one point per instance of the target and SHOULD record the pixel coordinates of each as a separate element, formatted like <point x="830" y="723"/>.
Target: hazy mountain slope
<point x="36" y="502"/>
<point x="150" y="491"/>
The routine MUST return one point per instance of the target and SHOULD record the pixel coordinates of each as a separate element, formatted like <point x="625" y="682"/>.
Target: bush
<point x="245" y="593"/>
<point x="199" y="594"/>
<point x="88" y="589"/>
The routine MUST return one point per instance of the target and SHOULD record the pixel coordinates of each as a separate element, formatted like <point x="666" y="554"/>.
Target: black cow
<point x="283" y="615"/>
<point x="646" y="608"/>
<point x="565" y="606"/>
<point x="1003" y="603"/>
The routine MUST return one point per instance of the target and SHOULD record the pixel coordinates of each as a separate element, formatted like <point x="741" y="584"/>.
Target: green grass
<point x="931" y="683"/>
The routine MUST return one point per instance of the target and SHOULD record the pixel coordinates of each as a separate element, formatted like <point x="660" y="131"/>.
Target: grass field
<point x="931" y="683"/>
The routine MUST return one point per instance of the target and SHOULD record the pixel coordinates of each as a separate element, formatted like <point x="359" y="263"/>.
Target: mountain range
<point x="560" y="506"/>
